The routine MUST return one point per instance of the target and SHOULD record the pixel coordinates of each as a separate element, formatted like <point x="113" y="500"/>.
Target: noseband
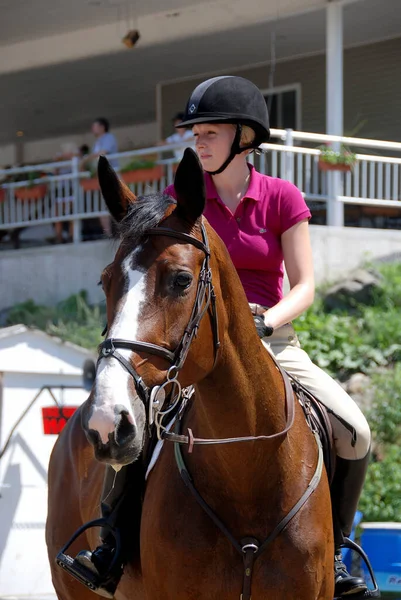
<point x="205" y="299"/>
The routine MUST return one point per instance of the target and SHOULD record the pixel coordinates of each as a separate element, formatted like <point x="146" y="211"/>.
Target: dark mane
<point x="145" y="213"/>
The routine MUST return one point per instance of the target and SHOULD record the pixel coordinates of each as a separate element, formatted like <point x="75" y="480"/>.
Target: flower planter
<point x="325" y="166"/>
<point x="381" y="211"/>
<point x="90" y="185"/>
<point x="143" y="175"/>
<point x="34" y="192"/>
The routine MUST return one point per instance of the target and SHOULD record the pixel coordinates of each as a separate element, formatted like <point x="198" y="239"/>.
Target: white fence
<point x="374" y="182"/>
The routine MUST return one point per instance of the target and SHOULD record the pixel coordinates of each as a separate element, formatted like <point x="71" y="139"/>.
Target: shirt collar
<point x="253" y="191"/>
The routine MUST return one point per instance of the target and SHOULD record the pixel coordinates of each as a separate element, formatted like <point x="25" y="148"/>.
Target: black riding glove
<point x="261" y="327"/>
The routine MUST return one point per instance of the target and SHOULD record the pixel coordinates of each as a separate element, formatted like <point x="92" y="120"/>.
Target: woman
<point x="264" y="224"/>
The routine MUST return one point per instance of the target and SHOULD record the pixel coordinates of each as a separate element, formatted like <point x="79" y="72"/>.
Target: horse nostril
<point x="125" y="428"/>
<point x="93" y="437"/>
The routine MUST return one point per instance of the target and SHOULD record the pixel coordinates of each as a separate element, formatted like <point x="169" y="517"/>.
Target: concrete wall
<point x="49" y="275"/>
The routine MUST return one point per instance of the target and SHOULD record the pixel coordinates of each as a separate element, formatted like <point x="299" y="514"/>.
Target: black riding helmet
<point x="229" y="99"/>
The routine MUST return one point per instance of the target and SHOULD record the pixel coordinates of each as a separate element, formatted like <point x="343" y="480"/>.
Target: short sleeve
<point x="292" y="206"/>
<point x="108" y="144"/>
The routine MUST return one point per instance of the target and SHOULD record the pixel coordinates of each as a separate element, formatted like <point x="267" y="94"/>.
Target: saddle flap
<point x="318" y="420"/>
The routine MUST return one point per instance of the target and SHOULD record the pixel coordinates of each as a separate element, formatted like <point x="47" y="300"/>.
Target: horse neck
<point x="244" y="395"/>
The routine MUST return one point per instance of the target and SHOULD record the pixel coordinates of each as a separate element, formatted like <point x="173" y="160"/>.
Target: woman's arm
<point x="298" y="262"/>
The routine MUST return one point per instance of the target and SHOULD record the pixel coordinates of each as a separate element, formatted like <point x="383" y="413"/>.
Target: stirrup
<point x="375" y="592"/>
<point x="85" y="576"/>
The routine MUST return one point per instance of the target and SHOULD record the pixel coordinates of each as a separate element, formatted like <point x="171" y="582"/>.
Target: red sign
<point x="55" y="418"/>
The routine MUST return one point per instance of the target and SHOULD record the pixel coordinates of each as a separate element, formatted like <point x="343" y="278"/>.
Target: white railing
<point x="373" y="182"/>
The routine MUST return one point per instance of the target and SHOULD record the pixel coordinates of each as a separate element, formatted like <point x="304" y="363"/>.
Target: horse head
<point x="157" y="290"/>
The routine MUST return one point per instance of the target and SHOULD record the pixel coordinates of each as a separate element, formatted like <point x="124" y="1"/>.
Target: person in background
<point x="180" y="135"/>
<point x="105" y="143"/>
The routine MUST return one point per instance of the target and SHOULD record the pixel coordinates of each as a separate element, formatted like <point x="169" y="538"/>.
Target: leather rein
<point x="154" y="400"/>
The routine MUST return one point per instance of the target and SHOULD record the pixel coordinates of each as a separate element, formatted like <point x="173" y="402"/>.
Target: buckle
<point x="107" y="347"/>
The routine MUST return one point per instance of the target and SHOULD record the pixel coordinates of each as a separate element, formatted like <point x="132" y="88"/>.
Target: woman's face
<point x="213" y="143"/>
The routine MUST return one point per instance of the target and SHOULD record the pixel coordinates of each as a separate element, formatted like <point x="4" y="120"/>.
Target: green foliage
<point x="73" y="319"/>
<point x="368" y="341"/>
<point x="381" y="498"/>
<point x="344" y="343"/>
<point x="137" y="164"/>
<point x="385" y="413"/>
<point x="29" y="177"/>
<point x="344" y="157"/>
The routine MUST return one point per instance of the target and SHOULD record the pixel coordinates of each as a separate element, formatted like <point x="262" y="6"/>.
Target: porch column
<point x="334" y="103"/>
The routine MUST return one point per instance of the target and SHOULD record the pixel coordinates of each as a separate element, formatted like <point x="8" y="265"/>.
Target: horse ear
<point x="189" y="185"/>
<point x="117" y="195"/>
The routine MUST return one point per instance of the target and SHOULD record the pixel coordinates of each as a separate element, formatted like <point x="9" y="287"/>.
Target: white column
<point x="334" y="103"/>
<point x="76" y="202"/>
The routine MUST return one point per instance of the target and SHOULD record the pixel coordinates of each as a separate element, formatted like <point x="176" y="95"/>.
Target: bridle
<point x="205" y="301"/>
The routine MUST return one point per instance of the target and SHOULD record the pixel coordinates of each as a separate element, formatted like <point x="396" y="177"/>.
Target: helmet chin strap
<point x="235" y="149"/>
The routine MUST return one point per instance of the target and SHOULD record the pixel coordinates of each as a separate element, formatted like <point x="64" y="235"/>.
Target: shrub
<point x="381" y="498"/>
<point x="73" y="319"/>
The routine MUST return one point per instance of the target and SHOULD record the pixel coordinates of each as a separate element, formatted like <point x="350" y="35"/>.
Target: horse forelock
<point x="145" y="213"/>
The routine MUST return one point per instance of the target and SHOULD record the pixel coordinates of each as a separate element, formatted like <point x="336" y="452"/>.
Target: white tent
<point x="29" y="361"/>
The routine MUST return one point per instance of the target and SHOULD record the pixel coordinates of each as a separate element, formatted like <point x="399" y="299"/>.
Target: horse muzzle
<point x="114" y="435"/>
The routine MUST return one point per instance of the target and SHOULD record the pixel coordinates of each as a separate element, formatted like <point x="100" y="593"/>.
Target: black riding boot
<point x="100" y="561"/>
<point x="345" y="492"/>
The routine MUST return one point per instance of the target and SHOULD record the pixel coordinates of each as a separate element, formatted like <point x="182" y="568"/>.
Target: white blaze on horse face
<point x="112" y="379"/>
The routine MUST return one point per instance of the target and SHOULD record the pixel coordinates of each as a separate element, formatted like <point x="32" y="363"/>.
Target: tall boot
<point x="346" y="489"/>
<point x="100" y="562"/>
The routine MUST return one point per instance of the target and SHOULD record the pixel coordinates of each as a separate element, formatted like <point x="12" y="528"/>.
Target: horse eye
<point x="183" y="280"/>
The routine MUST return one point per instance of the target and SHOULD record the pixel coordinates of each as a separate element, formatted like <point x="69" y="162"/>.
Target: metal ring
<point x="255" y="548"/>
<point x="172" y="373"/>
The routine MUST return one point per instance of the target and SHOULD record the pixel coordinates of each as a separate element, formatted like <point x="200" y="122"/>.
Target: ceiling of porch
<point x="64" y="98"/>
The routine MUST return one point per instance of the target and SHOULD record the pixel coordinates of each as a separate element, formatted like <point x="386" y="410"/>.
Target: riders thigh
<point x="285" y="346"/>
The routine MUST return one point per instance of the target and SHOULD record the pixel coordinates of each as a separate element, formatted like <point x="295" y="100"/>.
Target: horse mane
<point x="143" y="214"/>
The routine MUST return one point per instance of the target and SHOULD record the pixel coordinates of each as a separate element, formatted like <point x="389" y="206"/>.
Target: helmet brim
<point x="204" y="119"/>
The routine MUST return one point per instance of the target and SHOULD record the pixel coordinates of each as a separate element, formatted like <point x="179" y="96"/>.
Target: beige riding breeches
<point x="285" y="346"/>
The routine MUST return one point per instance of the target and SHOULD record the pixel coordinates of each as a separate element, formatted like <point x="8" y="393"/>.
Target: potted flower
<point x="32" y="191"/>
<point x="141" y="171"/>
<point x="91" y="183"/>
<point x="331" y="160"/>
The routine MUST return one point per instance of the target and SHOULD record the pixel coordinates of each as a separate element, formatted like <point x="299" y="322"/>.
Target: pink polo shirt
<point x="253" y="233"/>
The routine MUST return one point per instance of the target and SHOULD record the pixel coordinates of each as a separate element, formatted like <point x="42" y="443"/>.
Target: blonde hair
<point x="247" y="135"/>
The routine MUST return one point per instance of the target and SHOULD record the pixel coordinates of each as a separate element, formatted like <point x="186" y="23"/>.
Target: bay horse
<point x="203" y="524"/>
